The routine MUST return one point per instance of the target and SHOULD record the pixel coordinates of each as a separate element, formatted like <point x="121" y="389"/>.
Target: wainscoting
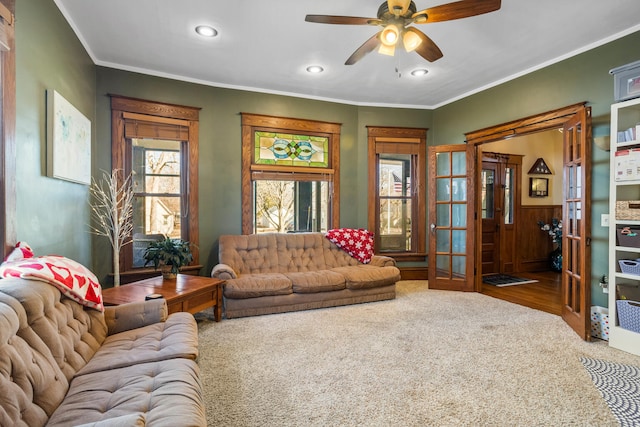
<point x="534" y="245"/>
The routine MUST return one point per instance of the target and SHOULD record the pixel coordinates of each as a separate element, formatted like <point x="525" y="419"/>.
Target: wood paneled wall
<point x="532" y="244"/>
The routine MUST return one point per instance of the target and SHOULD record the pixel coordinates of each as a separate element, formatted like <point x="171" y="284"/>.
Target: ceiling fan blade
<point x="366" y="47"/>
<point x="456" y="10"/>
<point x="398" y="7"/>
<point x="427" y="49"/>
<point x="342" y="20"/>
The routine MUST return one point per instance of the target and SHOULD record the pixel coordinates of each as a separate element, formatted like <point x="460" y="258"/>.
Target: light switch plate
<point x="604" y="220"/>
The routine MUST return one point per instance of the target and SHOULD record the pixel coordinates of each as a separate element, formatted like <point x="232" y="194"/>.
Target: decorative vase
<point x="555" y="260"/>
<point x="166" y="272"/>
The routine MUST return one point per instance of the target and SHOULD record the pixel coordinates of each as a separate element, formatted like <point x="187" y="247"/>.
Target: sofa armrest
<point x="382" y="261"/>
<point x="135" y="315"/>
<point x="223" y="272"/>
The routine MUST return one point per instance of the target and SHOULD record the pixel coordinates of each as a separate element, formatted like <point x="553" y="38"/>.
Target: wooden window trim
<point x="185" y="121"/>
<point x="8" y="127"/>
<point x="401" y="141"/>
<point x="252" y="123"/>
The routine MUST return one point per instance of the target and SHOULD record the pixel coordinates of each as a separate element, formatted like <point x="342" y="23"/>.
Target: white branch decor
<point x="112" y="214"/>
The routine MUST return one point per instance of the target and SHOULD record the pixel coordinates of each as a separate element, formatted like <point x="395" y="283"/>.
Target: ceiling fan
<point x="396" y="16"/>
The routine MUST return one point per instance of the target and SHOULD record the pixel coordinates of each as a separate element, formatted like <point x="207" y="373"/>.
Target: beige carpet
<point x="427" y="358"/>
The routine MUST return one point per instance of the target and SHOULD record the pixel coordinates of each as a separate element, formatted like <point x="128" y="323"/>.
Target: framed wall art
<point x="68" y="141"/>
<point x="538" y="187"/>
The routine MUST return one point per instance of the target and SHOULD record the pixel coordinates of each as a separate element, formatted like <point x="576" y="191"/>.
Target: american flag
<point x="397" y="183"/>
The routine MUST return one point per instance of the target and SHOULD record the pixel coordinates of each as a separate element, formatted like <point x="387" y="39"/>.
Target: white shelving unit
<point x="624" y="115"/>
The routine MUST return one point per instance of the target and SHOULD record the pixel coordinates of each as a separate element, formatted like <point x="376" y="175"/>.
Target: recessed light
<point x="206" y="31"/>
<point x="419" y="72"/>
<point x="315" y="69"/>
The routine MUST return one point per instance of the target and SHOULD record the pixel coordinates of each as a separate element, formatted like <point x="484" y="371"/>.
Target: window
<point x="157" y="186"/>
<point x="154" y="142"/>
<point x="290" y="174"/>
<point x="397" y="161"/>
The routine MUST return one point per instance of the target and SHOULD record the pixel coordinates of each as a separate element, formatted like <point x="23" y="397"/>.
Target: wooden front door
<point x="451" y="214"/>
<point x="576" y="224"/>
<point x="499" y="204"/>
<point x="489" y="189"/>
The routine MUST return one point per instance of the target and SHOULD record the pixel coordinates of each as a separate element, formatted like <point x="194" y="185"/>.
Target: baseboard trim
<point x="414" y="273"/>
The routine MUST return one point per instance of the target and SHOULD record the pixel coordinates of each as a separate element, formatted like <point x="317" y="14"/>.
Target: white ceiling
<point x="265" y="46"/>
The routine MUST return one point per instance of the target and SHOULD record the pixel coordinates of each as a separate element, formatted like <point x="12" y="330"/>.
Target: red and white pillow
<point x="73" y="279"/>
<point x="356" y="242"/>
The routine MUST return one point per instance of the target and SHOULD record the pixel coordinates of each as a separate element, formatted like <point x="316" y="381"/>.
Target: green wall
<point x="51" y="214"/>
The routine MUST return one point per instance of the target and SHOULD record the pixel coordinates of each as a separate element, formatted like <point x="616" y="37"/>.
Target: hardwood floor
<point x="544" y="295"/>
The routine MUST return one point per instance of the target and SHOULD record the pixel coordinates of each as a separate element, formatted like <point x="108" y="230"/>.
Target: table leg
<point x="217" y="312"/>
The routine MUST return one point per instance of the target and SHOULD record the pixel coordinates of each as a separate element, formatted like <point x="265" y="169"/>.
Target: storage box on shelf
<point x="629" y="237"/>
<point x="626" y="81"/>
<point x="629" y="314"/>
<point x="628" y="266"/>
<point x="628" y="210"/>
<point x="627" y="165"/>
<point x="624" y="233"/>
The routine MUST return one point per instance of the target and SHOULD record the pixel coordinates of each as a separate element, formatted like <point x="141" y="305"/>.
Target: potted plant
<point x="168" y="254"/>
<point x="555" y="232"/>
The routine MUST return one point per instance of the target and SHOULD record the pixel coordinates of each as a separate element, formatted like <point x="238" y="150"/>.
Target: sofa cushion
<point x="32" y="386"/>
<point x="249" y="254"/>
<point x="316" y="281"/>
<point x="299" y="252"/>
<point x="177" y="337"/>
<point x="168" y="393"/>
<point x="258" y="285"/>
<point x="367" y="276"/>
<point x="130" y="420"/>
<point x="70" y="332"/>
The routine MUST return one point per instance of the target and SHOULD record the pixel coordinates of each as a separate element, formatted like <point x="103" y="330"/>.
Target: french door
<point x="451" y="214"/>
<point x="576" y="224"/>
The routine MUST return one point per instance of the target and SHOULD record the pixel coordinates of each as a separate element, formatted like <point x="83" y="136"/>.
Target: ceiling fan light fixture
<point x="390" y="35"/>
<point x="206" y="31"/>
<point x="387" y="50"/>
<point x="418" y="72"/>
<point x="411" y="41"/>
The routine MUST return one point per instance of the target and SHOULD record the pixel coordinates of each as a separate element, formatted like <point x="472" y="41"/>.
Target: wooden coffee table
<point x="185" y="293"/>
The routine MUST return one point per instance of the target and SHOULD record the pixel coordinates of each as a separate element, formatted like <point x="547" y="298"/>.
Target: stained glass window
<point x="272" y="148"/>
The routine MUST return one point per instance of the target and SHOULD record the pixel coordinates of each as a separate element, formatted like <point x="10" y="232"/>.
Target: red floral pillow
<point x="72" y="278"/>
<point x="356" y="242"/>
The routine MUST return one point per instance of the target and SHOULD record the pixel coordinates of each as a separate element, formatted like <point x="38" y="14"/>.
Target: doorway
<point x="575" y="121"/>
<point x="499" y="200"/>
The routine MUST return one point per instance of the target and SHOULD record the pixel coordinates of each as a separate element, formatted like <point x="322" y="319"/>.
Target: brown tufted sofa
<point x="279" y="272"/>
<point x="65" y="365"/>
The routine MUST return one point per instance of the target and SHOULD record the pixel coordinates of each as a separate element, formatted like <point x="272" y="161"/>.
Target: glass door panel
<point x="487" y="181"/>
<point x="450" y="251"/>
